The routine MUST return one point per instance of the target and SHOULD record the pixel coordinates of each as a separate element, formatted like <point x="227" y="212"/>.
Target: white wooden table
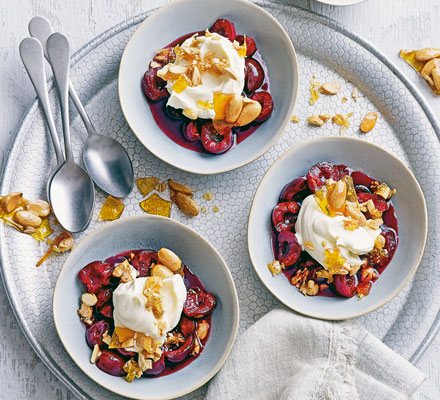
<point x="389" y="24"/>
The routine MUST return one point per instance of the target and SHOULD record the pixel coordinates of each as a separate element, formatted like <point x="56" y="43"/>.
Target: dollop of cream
<point x="189" y="98"/>
<point x="130" y="309"/>
<point x="316" y="231"/>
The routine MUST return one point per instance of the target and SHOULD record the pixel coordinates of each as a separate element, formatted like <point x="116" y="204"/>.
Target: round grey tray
<point x="326" y="50"/>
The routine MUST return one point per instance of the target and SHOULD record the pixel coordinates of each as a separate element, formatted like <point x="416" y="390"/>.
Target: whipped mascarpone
<point x="130" y="307"/>
<point x="314" y="227"/>
<point x="204" y="93"/>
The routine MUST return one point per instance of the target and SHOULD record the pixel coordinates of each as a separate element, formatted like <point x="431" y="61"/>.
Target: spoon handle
<point x="40" y="28"/>
<point x="58" y="51"/>
<point x="31" y="54"/>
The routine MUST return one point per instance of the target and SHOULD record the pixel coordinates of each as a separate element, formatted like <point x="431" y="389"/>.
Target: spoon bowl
<point x="72" y="196"/>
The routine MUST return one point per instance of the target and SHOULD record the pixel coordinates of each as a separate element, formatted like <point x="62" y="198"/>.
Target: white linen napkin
<point x="285" y="356"/>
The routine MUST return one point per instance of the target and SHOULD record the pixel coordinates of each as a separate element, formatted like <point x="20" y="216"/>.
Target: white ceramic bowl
<point x="410" y="210"/>
<point x="341" y="2"/>
<point x="149" y="232"/>
<point x="185" y="16"/>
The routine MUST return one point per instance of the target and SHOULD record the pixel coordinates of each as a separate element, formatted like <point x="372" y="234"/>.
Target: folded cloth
<point x="286" y="356"/>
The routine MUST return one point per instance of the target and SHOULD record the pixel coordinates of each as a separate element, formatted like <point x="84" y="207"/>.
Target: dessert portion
<point x="146" y="314"/>
<point x="427" y="63"/>
<point x="335" y="231"/>
<point x="208" y="90"/>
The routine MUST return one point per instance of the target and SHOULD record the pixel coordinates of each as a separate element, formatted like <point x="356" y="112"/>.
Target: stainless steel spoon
<point x="72" y="192"/>
<point x="31" y="54"/>
<point x="105" y="158"/>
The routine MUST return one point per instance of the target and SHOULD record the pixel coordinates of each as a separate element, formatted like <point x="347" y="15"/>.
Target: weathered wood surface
<point x="390" y="25"/>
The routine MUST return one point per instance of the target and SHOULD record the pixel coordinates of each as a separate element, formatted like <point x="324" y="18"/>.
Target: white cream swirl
<point x="315" y="227"/>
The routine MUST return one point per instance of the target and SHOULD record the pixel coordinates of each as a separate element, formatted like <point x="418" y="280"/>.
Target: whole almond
<point x="338" y="195"/>
<point x="179" y="187"/>
<point x="186" y="204"/>
<point x="202" y="329"/>
<point x="429" y="66"/>
<point x="161" y="271"/>
<point x="169" y="258"/>
<point x="233" y="108"/>
<point x="250" y="111"/>
<point x="27" y="218"/>
<point x="436" y="77"/>
<point x="427" y="54"/>
<point x="39" y="207"/>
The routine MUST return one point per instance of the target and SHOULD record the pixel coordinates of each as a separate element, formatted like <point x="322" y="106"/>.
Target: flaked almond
<point x="330" y="88"/>
<point x="354" y="94"/>
<point x="163" y="71"/>
<point x="250" y="111"/>
<point x="354" y="213"/>
<point x="11" y="201"/>
<point x="195" y="76"/>
<point x="233" y="108"/>
<point x="85" y="311"/>
<point x="368" y="122"/>
<point x="95" y="354"/>
<point x="89" y="299"/>
<point x="179" y="187"/>
<point x="436" y="77"/>
<point x="177" y="69"/>
<point x="427" y="54"/>
<point x="228" y="71"/>
<point x="144" y="363"/>
<point x="187" y="205"/>
<point x="169" y="259"/>
<point x="27" y="219"/>
<point x="374" y="223"/>
<point x="202" y="329"/>
<point x="154" y="64"/>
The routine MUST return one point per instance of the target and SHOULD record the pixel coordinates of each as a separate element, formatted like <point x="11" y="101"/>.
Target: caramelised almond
<point x="177" y="69"/>
<point x="354" y="213"/>
<point x="233" y="108"/>
<point x="195" y="76"/>
<point x="427" y="54"/>
<point x="161" y="271"/>
<point x="169" y="259"/>
<point x="202" y="329"/>
<point x="186" y="204"/>
<point x="250" y="111"/>
<point x="39" y="207"/>
<point x="179" y="187"/>
<point x="436" y="77"/>
<point x="428" y="67"/>
<point x="338" y="195"/>
<point x="89" y="299"/>
<point x="368" y="122"/>
<point x="11" y="201"/>
<point x="27" y="218"/>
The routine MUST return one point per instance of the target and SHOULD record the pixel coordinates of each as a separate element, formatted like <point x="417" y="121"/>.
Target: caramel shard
<point x="111" y="209"/>
<point x="275" y="267"/>
<point x="368" y="122"/>
<point x="294" y="119"/>
<point x="314" y="95"/>
<point x="156" y="205"/>
<point x="146" y="185"/>
<point x="215" y="209"/>
<point x="43" y="231"/>
<point x="204" y="210"/>
<point x="132" y="369"/>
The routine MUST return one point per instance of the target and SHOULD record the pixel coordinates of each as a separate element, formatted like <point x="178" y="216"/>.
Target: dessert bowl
<point x="409" y="205"/>
<point x="149" y="232"/>
<point x="185" y="16"/>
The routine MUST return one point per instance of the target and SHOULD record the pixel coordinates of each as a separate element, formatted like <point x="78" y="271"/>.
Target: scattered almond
<point x="324" y="117"/>
<point x="161" y="271"/>
<point x="234" y="108"/>
<point x="179" y="187"/>
<point x="85" y="311"/>
<point x="330" y="88"/>
<point x="354" y="94"/>
<point x="202" y="329"/>
<point x="436" y="77"/>
<point x="11" y="201"/>
<point x="250" y="111"/>
<point x="315" y="120"/>
<point x="294" y="119"/>
<point x="169" y="259"/>
<point x="427" y="54"/>
<point x="368" y="122"/>
<point x="89" y="299"/>
<point x="186" y="204"/>
<point x="27" y="219"/>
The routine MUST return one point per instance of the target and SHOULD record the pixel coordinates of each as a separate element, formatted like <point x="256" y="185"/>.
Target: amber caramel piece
<point x="43" y="231"/>
<point x="221" y="100"/>
<point x="146" y="185"/>
<point x="156" y="205"/>
<point x="111" y="209"/>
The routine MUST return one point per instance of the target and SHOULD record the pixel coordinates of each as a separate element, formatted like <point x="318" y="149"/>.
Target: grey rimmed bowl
<point x="185" y="16"/>
<point x="409" y="206"/>
<point x="149" y="232"/>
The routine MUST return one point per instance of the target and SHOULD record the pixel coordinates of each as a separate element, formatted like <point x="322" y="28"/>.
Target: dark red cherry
<point x="111" y="363"/>
<point x="363" y="288"/>
<point x="251" y="47"/>
<point x="179" y="354"/>
<point x="95" y="275"/>
<point x="225" y="28"/>
<point x="284" y="216"/>
<point x="106" y="311"/>
<point x="153" y="86"/>
<point x="142" y="261"/>
<point x="95" y="331"/>
<point x="253" y="75"/>
<point x="198" y="303"/>
<point x="158" y="366"/>
<point x="187" y="326"/>
<point x="266" y="101"/>
<point x="104" y="296"/>
<point x="379" y="202"/>
<point x="288" y="248"/>
<point x="214" y="141"/>
<point x="295" y="190"/>
<point x="345" y="285"/>
<point x="126" y="353"/>
<point x="191" y="131"/>
<point x="173" y="113"/>
<point x="322" y="171"/>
